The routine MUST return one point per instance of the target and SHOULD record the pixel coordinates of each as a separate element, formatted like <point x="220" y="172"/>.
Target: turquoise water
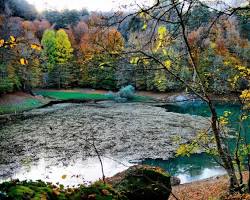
<point x="198" y="166"/>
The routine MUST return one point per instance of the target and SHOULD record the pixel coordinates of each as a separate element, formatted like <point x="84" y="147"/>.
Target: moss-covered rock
<point x="143" y="182"/>
<point x="28" y="190"/>
<point x="16" y="190"/>
<point x="97" y="191"/>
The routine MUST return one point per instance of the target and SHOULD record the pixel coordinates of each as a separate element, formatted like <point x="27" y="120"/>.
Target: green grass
<point x="62" y="95"/>
<point x="19" y="107"/>
<point x="142" y="99"/>
<point x="30" y="103"/>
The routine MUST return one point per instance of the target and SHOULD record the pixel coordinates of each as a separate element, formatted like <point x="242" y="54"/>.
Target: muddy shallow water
<point x="54" y="143"/>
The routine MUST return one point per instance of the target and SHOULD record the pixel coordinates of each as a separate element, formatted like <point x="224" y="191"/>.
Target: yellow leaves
<point x="226" y="63"/>
<point x="213" y="45"/>
<point x="134" y="60"/>
<point x="36" y="47"/>
<point x="234" y="80"/>
<point x="12" y="41"/>
<point x="23" y="61"/>
<point x="12" y="38"/>
<point x="163" y="40"/>
<point x="165" y="53"/>
<point x="244" y="71"/>
<point x="144" y="27"/>
<point x="162" y="31"/>
<point x="168" y="64"/>
<point x="241" y="68"/>
<point x="245" y="95"/>
<point x="183" y="150"/>
<point x="1" y="42"/>
<point x="223" y="121"/>
<point x="64" y="177"/>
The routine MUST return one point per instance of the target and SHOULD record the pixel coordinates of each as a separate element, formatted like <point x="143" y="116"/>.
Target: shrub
<point x="127" y="92"/>
<point x="124" y="94"/>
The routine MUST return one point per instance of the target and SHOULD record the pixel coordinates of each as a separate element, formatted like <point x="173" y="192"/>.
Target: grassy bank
<point x="26" y="104"/>
<point x="65" y="95"/>
<point x="71" y="94"/>
<point x="16" y="103"/>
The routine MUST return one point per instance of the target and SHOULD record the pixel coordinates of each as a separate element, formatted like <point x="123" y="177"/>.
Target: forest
<point x="82" y="49"/>
<point x="165" y="86"/>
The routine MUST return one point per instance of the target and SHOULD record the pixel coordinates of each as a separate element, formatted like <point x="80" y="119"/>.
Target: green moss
<point x="139" y="182"/>
<point x="98" y="191"/>
<point x="27" y="104"/>
<point x="16" y="190"/>
<point x="144" y="182"/>
<point x="20" y="192"/>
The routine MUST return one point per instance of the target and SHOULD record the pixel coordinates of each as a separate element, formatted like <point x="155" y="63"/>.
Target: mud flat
<point x="128" y="131"/>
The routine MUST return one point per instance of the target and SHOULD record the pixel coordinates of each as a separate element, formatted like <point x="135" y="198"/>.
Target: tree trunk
<point x="223" y="152"/>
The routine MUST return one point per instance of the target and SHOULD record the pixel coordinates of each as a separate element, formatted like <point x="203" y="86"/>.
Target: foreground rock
<point x="143" y="182"/>
<point x="129" y="131"/>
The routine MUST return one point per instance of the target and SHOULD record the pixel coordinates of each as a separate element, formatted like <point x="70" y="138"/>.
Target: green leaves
<point x="57" y="47"/>
<point x="63" y="47"/>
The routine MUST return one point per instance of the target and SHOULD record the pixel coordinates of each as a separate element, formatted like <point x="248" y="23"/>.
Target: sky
<point x="91" y="5"/>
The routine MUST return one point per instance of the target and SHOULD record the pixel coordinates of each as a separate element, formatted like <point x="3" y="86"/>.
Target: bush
<point x="124" y="94"/>
<point x="127" y="92"/>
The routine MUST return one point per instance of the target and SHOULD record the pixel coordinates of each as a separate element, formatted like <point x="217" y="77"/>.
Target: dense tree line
<point x="80" y="49"/>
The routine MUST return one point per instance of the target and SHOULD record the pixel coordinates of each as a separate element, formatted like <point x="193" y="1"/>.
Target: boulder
<point x="142" y="182"/>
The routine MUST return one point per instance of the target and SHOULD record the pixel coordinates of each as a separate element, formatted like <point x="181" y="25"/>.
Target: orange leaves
<point x="98" y="41"/>
<point x="29" y="26"/>
<point x="220" y="47"/>
<point x="1" y="43"/>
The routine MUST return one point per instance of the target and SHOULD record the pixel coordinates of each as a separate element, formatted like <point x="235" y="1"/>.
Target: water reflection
<point x="189" y="169"/>
<point x="202" y="166"/>
<point x="79" y="172"/>
<point x="205" y="174"/>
